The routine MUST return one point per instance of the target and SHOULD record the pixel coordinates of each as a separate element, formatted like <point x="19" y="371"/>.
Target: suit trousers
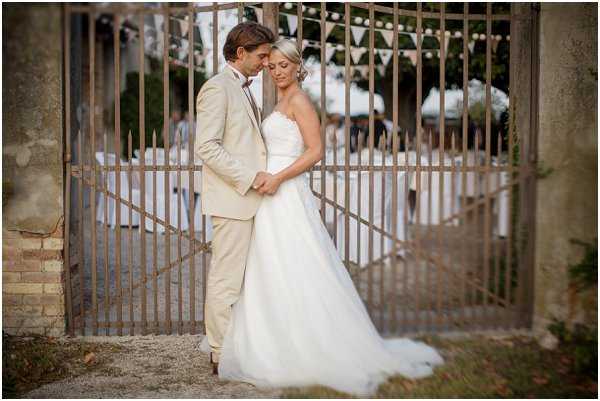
<point x="230" y="244"/>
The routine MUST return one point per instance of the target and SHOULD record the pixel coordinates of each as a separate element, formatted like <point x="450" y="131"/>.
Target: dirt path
<point x="151" y="367"/>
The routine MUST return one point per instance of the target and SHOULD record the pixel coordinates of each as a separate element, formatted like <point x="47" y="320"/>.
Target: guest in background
<point x="184" y="128"/>
<point x="334" y="132"/>
<point x="173" y="123"/>
<point x="355" y="130"/>
<point x="379" y="129"/>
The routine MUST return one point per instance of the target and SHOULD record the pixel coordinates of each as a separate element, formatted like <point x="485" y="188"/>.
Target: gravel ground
<point x="151" y="367"/>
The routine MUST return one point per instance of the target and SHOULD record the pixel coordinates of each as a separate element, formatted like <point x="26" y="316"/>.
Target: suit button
<point x="263" y="153"/>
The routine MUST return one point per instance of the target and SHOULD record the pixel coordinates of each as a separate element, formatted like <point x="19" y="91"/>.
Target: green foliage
<point x="153" y="103"/>
<point x="153" y="109"/>
<point x="582" y="339"/>
<point x="584" y="275"/>
<point x="582" y="343"/>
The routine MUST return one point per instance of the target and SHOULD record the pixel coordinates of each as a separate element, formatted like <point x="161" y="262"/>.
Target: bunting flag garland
<point x="183" y="24"/>
<point x="363" y="70"/>
<point x="329" y="52"/>
<point x="356" y="53"/>
<point x="471" y="46"/>
<point x="413" y="36"/>
<point x="199" y="59"/>
<point x="494" y="45"/>
<point x="412" y="56"/>
<point x="182" y="51"/>
<point x="381" y="69"/>
<point x="259" y="15"/>
<point x="446" y="42"/>
<point x="328" y="28"/>
<point x="357" y="34"/>
<point x="388" y="36"/>
<point x="292" y="21"/>
<point x="385" y="55"/>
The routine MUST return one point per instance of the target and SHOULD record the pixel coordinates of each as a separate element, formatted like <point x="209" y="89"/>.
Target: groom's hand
<point x="260" y="179"/>
<point x="270" y="186"/>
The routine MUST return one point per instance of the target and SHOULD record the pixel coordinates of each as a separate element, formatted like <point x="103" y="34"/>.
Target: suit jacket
<point x="229" y="142"/>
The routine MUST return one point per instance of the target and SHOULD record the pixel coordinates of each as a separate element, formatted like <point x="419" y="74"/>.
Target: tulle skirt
<point x="299" y="320"/>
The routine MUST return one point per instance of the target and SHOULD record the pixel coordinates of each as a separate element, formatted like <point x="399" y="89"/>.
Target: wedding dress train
<point x="299" y="320"/>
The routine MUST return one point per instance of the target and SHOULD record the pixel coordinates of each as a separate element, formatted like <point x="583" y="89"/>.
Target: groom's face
<point x="253" y="62"/>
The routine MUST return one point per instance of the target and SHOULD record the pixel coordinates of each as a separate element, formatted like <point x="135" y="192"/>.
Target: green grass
<point x="479" y="367"/>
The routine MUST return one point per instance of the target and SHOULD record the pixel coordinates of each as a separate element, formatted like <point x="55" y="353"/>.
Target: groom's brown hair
<point x="248" y="35"/>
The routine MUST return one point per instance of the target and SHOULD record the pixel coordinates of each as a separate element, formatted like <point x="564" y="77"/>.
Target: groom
<point x="230" y="144"/>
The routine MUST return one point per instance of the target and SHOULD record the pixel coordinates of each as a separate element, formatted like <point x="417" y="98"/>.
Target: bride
<point x="299" y="320"/>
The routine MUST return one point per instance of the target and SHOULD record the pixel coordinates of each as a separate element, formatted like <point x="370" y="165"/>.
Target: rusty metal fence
<point x="433" y="229"/>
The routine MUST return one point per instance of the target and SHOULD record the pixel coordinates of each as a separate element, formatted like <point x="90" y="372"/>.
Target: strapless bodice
<point x="282" y="136"/>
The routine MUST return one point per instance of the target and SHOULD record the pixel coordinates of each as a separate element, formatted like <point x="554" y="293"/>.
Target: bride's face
<point x="282" y="70"/>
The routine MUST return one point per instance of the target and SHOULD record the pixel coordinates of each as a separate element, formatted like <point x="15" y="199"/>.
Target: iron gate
<point x="432" y="221"/>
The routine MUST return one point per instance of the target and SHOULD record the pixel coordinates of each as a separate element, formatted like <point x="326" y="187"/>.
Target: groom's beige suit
<point x="229" y="142"/>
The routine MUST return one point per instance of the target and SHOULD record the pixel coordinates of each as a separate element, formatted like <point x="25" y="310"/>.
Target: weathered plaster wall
<point x="568" y="138"/>
<point x="33" y="225"/>
<point x="32" y="127"/>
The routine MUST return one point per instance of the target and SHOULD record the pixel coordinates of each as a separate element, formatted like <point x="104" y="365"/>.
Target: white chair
<point x="401" y="197"/>
<point x="501" y="204"/>
<point x="429" y="203"/>
<point x="159" y="208"/>
<point x="123" y="193"/>
<point x="361" y="230"/>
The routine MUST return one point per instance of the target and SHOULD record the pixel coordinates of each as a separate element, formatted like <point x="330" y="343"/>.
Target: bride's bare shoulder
<point x="301" y="103"/>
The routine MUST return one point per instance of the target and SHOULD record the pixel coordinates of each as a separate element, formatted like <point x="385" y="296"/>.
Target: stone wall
<point x="567" y="144"/>
<point x="32" y="170"/>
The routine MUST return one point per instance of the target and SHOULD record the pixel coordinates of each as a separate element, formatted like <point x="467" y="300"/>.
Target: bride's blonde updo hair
<point x="290" y="50"/>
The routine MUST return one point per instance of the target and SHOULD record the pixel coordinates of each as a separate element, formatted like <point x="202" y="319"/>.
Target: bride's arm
<point x="310" y="128"/>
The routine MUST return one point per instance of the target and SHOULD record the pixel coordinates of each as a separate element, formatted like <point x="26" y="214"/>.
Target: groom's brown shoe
<point x="215" y="365"/>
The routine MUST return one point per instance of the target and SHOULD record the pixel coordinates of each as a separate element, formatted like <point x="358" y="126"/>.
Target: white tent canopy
<point x="335" y="91"/>
<point x="453" y="101"/>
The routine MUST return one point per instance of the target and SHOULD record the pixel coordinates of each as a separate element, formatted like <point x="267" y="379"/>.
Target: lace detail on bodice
<point x="282" y="136"/>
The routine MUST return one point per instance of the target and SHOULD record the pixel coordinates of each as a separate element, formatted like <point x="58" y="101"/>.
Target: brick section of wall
<point x="33" y="283"/>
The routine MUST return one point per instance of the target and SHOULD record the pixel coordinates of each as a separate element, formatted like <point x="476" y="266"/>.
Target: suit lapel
<point x="245" y="100"/>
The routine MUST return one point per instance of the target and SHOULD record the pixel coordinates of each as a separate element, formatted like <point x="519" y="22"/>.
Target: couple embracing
<point x="281" y="309"/>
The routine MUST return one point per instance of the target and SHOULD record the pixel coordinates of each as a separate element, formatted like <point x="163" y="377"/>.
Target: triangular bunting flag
<point x="292" y="21"/>
<point x="364" y="71"/>
<point x="413" y="36"/>
<point x="381" y="70"/>
<point x="357" y="33"/>
<point x="199" y="58"/>
<point x="328" y="28"/>
<point x="259" y="14"/>
<point x="412" y="56"/>
<point x="446" y="41"/>
<point x="494" y="45"/>
<point x="356" y="53"/>
<point x="329" y="52"/>
<point x="471" y="46"/>
<point x="184" y="26"/>
<point x="385" y="55"/>
<point x="184" y="49"/>
<point x="388" y="36"/>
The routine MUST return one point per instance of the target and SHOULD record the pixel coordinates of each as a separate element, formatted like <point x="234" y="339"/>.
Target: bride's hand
<point x="270" y="185"/>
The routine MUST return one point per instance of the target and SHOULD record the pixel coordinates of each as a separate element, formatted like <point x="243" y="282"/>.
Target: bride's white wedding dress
<point x="299" y="320"/>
